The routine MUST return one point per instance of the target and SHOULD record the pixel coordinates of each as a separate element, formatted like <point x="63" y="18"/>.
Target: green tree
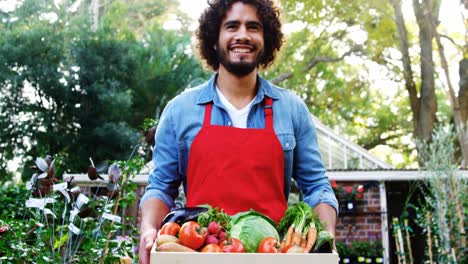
<point x="328" y="60"/>
<point x="422" y="90"/>
<point x="71" y="90"/>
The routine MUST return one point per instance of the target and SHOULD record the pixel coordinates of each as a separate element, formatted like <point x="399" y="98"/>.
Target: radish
<point x="222" y="235"/>
<point x="213" y="228"/>
<point x="211" y="239"/>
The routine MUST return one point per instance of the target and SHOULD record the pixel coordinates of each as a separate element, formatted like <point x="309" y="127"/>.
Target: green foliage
<point x="169" y="68"/>
<point x="13" y="199"/>
<point x="43" y="235"/>
<point x="440" y="211"/>
<point x="446" y="197"/>
<point x="69" y="90"/>
<point x="338" y="90"/>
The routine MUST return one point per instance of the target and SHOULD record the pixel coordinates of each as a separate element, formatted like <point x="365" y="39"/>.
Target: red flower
<point x="349" y="189"/>
<point x="359" y="195"/>
<point x="360" y="189"/>
<point x="333" y="184"/>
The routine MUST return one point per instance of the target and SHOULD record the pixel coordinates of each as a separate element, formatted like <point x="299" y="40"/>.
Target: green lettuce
<point x="251" y="228"/>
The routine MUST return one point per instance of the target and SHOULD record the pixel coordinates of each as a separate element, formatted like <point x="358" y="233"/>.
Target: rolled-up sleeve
<point x="164" y="181"/>
<point x="309" y="171"/>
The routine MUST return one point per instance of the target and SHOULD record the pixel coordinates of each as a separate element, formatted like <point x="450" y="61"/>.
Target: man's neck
<point x="239" y="91"/>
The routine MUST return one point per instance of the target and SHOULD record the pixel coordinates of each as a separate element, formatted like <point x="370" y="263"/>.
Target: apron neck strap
<point x="207" y="121"/>
<point x="268" y="110"/>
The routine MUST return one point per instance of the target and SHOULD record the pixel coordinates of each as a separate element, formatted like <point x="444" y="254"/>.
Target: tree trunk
<point x="405" y="58"/>
<point x="94" y="15"/>
<point x="428" y="104"/>
<point x="460" y="123"/>
<point x="463" y="92"/>
<point x="423" y="106"/>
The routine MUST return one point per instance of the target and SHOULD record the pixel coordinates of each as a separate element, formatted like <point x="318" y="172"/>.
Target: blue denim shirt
<point x="182" y="119"/>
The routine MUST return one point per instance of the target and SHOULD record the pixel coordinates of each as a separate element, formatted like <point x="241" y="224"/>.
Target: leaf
<point x="114" y="173"/>
<point x="42" y="175"/>
<point x="47" y="211"/>
<point x="61" y="241"/>
<point x="41" y="164"/>
<point x="65" y="193"/>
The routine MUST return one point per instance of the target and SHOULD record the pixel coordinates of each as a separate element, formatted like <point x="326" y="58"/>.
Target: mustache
<point x="243" y="43"/>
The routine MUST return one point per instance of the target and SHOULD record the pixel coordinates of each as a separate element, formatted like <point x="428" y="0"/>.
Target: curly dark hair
<point x="207" y="33"/>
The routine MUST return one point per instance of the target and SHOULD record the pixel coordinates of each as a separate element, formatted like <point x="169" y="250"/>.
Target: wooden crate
<point x="240" y="258"/>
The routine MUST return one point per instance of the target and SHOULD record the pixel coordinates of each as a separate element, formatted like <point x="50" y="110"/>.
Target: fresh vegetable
<point x="211" y="239"/>
<point x="213" y="228"/>
<point x="163" y="239"/>
<point x="169" y="228"/>
<point x="295" y="226"/>
<point x="325" y="242"/>
<point x="192" y="235"/>
<point x="311" y="237"/>
<point x="211" y="248"/>
<point x="182" y="215"/>
<point x="286" y="248"/>
<point x="295" y="249"/>
<point x="232" y="245"/>
<point x="174" y="247"/>
<point x="215" y="215"/>
<point x="269" y="245"/>
<point x="222" y="235"/>
<point x="251" y="228"/>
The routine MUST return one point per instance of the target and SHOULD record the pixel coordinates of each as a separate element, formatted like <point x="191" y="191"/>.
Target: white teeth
<point x="240" y="50"/>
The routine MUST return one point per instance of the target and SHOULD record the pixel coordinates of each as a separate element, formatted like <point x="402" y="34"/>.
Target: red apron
<point x="237" y="169"/>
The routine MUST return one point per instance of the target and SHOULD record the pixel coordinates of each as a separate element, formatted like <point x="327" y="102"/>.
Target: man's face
<point x="240" y="43"/>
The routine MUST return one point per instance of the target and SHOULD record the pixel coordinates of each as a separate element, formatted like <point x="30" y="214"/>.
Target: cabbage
<point x="251" y="228"/>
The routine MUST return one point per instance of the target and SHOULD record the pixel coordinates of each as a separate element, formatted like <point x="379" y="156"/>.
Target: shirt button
<point x="287" y="144"/>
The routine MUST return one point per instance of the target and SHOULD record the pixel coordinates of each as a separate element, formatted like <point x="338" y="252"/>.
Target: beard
<point x="241" y="68"/>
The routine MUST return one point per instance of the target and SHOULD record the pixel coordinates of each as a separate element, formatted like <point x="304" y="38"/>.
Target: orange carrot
<point x="289" y="235"/>
<point x="311" y="237"/>
<point x="303" y="242"/>
<point x="283" y="242"/>
<point x="297" y="238"/>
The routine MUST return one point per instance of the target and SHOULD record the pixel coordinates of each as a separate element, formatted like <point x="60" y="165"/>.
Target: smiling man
<point x="236" y="141"/>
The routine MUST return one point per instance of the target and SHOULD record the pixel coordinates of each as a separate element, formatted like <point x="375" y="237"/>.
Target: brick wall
<point x="364" y="222"/>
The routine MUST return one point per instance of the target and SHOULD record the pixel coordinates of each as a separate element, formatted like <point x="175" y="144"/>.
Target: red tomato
<point x="192" y="235"/>
<point x="211" y="248"/>
<point x="269" y="245"/>
<point x="169" y="229"/>
<point x="232" y="245"/>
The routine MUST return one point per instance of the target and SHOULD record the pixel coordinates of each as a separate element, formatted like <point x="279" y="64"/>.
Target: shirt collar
<point x="208" y="93"/>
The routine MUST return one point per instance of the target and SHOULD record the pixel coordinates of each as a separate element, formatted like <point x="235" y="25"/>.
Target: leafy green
<point x="301" y="216"/>
<point x="324" y="242"/>
<point x="215" y="215"/>
<point x="251" y="228"/>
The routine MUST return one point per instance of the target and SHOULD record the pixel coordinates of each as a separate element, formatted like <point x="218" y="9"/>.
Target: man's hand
<point x="147" y="238"/>
<point x="152" y="213"/>
<point x="327" y="214"/>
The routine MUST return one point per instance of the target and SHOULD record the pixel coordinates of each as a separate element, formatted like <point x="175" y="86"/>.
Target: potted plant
<point x="351" y="195"/>
<point x="377" y="252"/>
<point x="345" y="253"/>
<point x="362" y="249"/>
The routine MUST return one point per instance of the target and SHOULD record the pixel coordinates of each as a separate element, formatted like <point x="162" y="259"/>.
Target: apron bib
<point x="237" y="169"/>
